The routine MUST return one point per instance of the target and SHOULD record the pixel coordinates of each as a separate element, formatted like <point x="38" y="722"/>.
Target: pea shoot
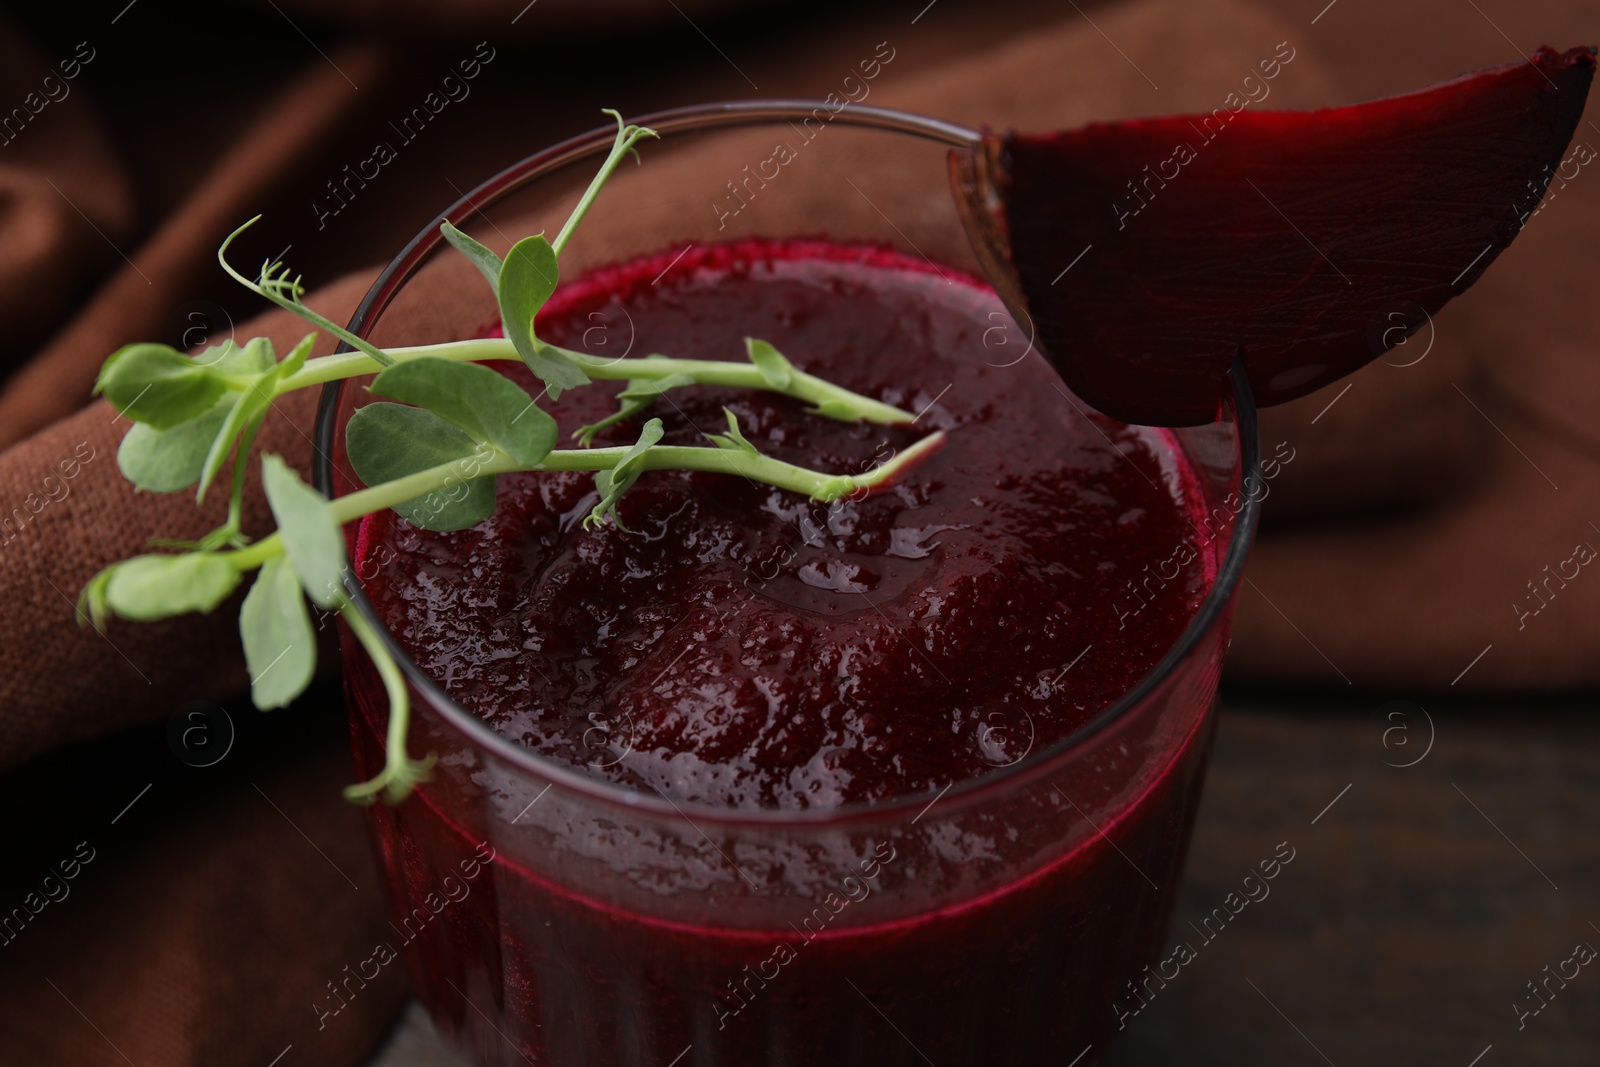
<point x="430" y="449"/>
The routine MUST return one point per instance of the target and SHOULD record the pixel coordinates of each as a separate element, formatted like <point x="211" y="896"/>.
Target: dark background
<point x="1420" y="902"/>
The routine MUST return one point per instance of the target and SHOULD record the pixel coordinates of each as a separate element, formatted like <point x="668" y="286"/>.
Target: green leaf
<point x="773" y="365"/>
<point x="733" y="440"/>
<point x="92" y="606"/>
<point x="224" y="356"/>
<point x="389" y="441"/>
<point x="638" y="395"/>
<point x="165" y="461"/>
<point x="275" y="627"/>
<point x="256" y="357"/>
<point x="527" y="278"/>
<point x="274" y="283"/>
<point x="310" y="534"/>
<point x="486" y="261"/>
<point x="145" y="588"/>
<point x="227" y="357"/>
<point x="248" y="412"/>
<point x="490" y="407"/>
<point x="297" y="355"/>
<point x="157" y="384"/>
<point x="239" y="415"/>
<point x="619" y="479"/>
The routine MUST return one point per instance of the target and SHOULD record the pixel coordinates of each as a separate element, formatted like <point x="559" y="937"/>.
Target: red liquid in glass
<point x="746" y="649"/>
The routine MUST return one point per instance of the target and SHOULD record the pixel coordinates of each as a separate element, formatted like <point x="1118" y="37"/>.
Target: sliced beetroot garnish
<point x="1150" y="254"/>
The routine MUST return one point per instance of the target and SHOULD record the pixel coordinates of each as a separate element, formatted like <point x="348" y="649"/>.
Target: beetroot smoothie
<point x="800" y="686"/>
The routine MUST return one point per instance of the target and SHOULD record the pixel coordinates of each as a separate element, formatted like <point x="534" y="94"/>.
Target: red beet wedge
<point x="1150" y="254"/>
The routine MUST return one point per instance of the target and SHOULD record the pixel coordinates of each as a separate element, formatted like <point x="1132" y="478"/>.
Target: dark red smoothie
<point x="743" y="650"/>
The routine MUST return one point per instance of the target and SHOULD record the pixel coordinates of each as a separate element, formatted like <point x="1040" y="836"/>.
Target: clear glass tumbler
<point x="549" y="917"/>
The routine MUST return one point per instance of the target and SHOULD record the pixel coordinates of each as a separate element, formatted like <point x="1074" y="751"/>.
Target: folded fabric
<point x="1416" y="518"/>
<point x="223" y="935"/>
<point x="1473" y="447"/>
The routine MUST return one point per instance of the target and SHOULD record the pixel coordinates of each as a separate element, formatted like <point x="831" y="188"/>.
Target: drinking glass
<point x="549" y="916"/>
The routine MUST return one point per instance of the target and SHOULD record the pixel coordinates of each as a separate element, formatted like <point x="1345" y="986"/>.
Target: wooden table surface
<point x="1420" y="901"/>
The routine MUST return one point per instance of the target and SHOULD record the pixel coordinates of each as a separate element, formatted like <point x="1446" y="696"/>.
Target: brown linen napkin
<point x="1497" y="567"/>
<point x="213" y="938"/>
<point x="1397" y="438"/>
<point x="1484" y="454"/>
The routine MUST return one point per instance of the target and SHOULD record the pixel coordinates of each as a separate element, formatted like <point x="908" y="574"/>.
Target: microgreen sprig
<point x="274" y="283"/>
<point x="429" y="449"/>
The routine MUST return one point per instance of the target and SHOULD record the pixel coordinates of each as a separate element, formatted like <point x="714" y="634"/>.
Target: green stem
<point x="241" y="459"/>
<point x="400" y="771"/>
<point x="737" y="375"/>
<point x="627" y="136"/>
<point x="399" y="490"/>
<point x="260" y="287"/>
<point x="802" y="386"/>
<point x="814" y="484"/>
<point x="375" y="498"/>
<point x="254" y="555"/>
<point x="325" y="369"/>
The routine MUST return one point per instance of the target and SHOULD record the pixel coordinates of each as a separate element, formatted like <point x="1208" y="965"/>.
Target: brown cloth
<point x="1398" y="550"/>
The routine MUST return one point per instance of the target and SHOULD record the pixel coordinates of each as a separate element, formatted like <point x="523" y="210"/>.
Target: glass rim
<point x="405" y="264"/>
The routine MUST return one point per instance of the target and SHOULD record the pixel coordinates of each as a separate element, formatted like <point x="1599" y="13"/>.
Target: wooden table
<point x="1420" y="901"/>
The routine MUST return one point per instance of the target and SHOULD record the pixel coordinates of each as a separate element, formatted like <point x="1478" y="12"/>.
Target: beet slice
<point x="1150" y="254"/>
